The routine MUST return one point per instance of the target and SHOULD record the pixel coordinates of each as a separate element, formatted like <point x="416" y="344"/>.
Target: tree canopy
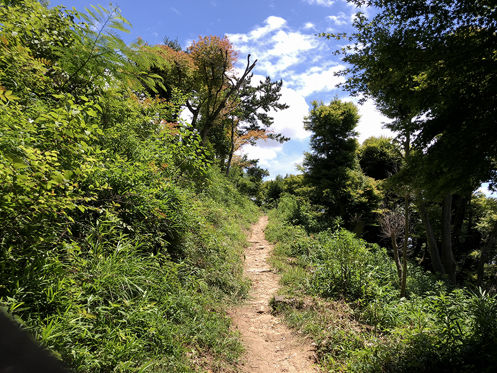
<point x="432" y="66"/>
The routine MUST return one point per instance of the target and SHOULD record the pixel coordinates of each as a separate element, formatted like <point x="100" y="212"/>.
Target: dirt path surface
<point x="271" y="346"/>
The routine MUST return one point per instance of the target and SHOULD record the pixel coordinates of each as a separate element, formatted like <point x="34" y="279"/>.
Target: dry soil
<point x="270" y="345"/>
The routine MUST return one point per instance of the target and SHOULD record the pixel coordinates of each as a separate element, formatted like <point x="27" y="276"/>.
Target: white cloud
<point x="272" y="23"/>
<point x="275" y="46"/>
<point x="309" y="26"/>
<point x="340" y="19"/>
<point x="264" y="155"/>
<point x="317" y="79"/>
<point x="371" y="121"/>
<point x="291" y="43"/>
<point x="326" y="3"/>
<point x="290" y="122"/>
<point x="285" y="165"/>
<point x="274" y="159"/>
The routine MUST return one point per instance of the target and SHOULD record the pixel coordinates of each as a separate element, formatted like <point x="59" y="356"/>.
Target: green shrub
<point x="120" y="243"/>
<point x="434" y="330"/>
<point x="298" y="211"/>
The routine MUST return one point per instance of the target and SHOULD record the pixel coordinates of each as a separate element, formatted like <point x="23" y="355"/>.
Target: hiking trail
<point x="271" y="347"/>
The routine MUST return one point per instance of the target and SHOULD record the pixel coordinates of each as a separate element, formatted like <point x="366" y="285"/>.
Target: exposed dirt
<point x="270" y="345"/>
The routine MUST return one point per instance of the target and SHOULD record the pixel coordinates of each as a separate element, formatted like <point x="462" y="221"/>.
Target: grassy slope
<point x="120" y="241"/>
<point x="108" y="306"/>
<point x="346" y="298"/>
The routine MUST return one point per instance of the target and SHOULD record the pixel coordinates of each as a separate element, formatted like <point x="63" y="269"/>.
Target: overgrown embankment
<point x="345" y="295"/>
<point x="122" y="267"/>
<point x="105" y="301"/>
<point x="131" y="272"/>
<point x="120" y="241"/>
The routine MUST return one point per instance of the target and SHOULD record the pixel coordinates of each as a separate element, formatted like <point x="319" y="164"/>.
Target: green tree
<point x="248" y="177"/>
<point x="434" y="61"/>
<point x="333" y="156"/>
<point x="249" y="119"/>
<point x="224" y="105"/>
<point x="431" y="65"/>
<point x="379" y="158"/>
<point x="332" y="167"/>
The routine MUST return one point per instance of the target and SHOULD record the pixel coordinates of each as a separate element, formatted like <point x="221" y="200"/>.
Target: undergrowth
<point x="120" y="241"/>
<point x="346" y="298"/>
<point x="106" y="303"/>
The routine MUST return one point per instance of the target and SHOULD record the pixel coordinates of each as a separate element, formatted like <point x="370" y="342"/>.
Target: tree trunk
<point x="403" y="281"/>
<point x="485" y="250"/>
<point x="436" y="263"/>
<point x="203" y="134"/>
<point x="232" y="147"/>
<point x="396" y="257"/>
<point x="459" y="204"/>
<point x="447" y="257"/>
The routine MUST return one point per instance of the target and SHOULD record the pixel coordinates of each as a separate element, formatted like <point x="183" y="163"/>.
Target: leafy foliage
<point x="434" y="328"/>
<point x="119" y="237"/>
<point x="379" y="158"/>
<point x="447" y="84"/>
<point x="332" y="168"/>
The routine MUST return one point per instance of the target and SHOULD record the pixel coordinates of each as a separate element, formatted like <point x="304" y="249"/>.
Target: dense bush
<point x="433" y="329"/>
<point x="298" y="211"/>
<point x="119" y="240"/>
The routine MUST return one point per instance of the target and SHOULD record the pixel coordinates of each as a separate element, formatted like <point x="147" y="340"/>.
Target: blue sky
<point x="281" y="34"/>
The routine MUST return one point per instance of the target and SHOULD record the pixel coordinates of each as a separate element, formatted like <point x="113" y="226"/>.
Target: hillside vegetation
<point x="123" y="225"/>
<point x="345" y="295"/>
<point x="120" y="239"/>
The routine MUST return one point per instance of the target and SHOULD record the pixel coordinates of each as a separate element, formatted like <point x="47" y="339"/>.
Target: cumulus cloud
<point x="290" y="122"/>
<point x="274" y="159"/>
<point x="265" y="155"/>
<point x="309" y="26"/>
<point x="317" y="79"/>
<point x="285" y="166"/>
<point x="294" y="56"/>
<point x="272" y="23"/>
<point x="275" y="46"/>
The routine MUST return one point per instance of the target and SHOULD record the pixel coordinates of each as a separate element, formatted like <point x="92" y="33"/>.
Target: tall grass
<point x="350" y="304"/>
<point x="108" y="304"/>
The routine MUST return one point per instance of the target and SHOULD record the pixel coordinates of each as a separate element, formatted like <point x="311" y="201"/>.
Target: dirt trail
<point x="271" y="346"/>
